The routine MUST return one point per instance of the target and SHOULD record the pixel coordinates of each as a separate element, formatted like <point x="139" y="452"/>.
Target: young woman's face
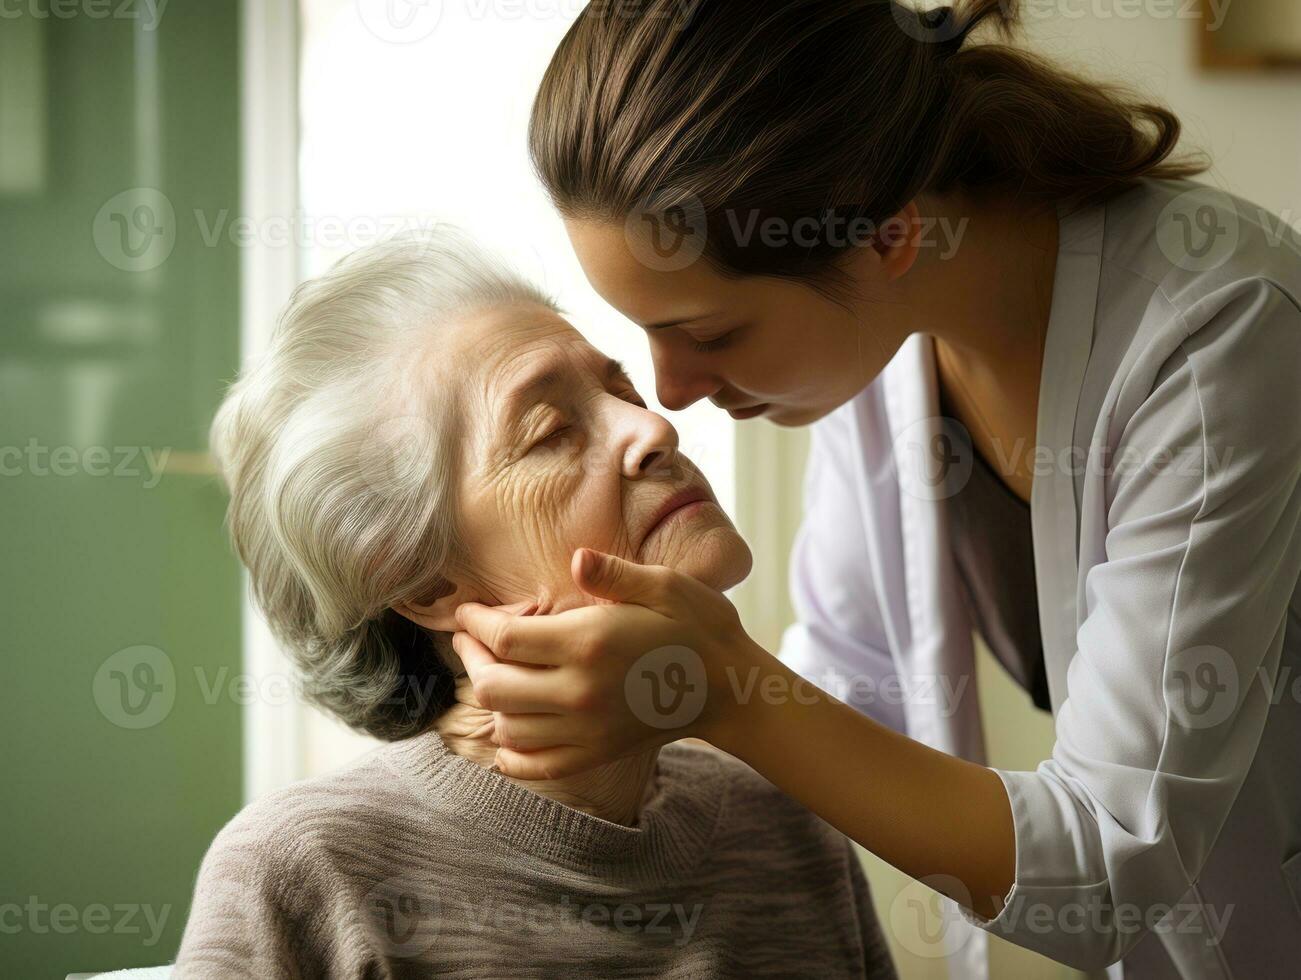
<point x="753" y="346"/>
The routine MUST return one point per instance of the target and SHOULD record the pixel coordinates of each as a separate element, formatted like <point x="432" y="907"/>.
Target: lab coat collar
<point x="1054" y="496"/>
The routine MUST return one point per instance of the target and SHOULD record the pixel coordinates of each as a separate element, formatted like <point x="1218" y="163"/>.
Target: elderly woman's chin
<point x="701" y="543"/>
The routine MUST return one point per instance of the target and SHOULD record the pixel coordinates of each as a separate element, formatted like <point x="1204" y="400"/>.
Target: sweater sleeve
<point x="877" y="961"/>
<point x="271" y="910"/>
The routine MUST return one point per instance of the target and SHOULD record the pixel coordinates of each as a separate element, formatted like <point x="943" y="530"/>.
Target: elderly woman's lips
<point x="683" y="504"/>
<point x="684" y="511"/>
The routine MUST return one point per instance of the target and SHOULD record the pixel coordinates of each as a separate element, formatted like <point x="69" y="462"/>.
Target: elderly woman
<point x="427" y="430"/>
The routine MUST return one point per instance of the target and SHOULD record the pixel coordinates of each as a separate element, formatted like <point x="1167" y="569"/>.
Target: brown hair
<point x="812" y="107"/>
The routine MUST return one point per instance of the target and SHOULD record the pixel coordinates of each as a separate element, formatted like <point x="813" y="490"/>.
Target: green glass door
<point x="119" y="153"/>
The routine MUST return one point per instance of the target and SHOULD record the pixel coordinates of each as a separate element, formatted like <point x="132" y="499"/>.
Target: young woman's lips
<point x="748" y="413"/>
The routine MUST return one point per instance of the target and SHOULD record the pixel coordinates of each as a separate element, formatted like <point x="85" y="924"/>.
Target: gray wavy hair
<point x="340" y="460"/>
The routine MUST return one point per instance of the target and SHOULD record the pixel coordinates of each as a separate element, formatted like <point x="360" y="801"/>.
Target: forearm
<point x="925" y="812"/>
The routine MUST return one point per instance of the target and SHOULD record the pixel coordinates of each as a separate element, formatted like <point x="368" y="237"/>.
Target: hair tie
<point x="941" y="28"/>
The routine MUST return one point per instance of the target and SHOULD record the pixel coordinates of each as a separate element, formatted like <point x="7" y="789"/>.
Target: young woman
<point x="1056" y="395"/>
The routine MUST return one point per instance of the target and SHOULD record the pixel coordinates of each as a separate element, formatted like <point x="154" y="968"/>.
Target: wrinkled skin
<point x="583" y="463"/>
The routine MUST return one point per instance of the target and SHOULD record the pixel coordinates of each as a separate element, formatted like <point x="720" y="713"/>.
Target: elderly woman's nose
<point x="652" y="445"/>
<point x="681" y="375"/>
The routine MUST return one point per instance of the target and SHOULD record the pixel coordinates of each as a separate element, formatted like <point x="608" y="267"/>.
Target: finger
<point x="565" y="760"/>
<point x="541" y="640"/>
<point x="611" y="577"/>
<point x="510" y="687"/>
<point x="531" y="732"/>
<point x="525" y="607"/>
<point x="474" y="655"/>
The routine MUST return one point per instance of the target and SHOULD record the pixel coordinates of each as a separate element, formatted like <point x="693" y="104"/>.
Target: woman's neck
<point x="616" y="791"/>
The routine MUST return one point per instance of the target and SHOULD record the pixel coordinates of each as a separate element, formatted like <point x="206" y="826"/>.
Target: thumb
<point x="614" y="578"/>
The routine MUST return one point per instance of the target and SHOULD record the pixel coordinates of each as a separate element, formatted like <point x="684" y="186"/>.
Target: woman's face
<point x="753" y="346"/>
<point x="560" y="452"/>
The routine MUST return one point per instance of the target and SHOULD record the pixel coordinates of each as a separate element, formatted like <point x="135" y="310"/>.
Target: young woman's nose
<point x="681" y="375"/>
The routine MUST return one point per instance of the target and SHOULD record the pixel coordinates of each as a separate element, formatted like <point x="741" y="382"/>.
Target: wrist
<point x="740" y="696"/>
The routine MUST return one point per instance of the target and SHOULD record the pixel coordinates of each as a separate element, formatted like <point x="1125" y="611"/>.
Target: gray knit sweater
<point x="415" y="862"/>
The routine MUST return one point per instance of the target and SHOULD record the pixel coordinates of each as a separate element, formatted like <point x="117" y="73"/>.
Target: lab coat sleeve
<point x="838" y="642"/>
<point x="1179" y="645"/>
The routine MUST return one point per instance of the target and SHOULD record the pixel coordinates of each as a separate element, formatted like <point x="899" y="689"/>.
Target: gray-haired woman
<point x="427" y="430"/>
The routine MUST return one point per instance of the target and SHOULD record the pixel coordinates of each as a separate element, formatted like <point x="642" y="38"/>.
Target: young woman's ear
<point x="898" y="240"/>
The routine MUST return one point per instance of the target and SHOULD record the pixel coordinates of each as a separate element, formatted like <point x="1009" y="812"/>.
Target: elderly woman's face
<point x="560" y="452"/>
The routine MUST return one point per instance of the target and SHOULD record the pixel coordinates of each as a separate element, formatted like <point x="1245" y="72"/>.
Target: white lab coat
<point x="1167" y="591"/>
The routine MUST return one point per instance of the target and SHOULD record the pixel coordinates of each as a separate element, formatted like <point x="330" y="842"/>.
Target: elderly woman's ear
<point x="437" y="610"/>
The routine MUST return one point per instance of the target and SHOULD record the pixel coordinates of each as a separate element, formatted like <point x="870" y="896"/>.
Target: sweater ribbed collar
<point x="671" y="835"/>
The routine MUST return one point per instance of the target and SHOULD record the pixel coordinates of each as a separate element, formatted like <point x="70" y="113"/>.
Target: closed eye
<point x="552" y="438"/>
<point x="714" y="343"/>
